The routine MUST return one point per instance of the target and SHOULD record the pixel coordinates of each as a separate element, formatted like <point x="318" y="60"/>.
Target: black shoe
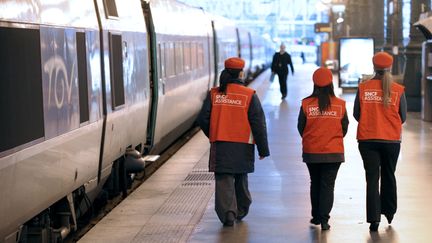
<point x="389" y="217"/>
<point x="283" y="96"/>
<point x="374" y="226"/>
<point x="241" y="213"/>
<point x="315" y="221"/>
<point x="229" y="220"/>
<point x="241" y="216"/>
<point x="229" y="223"/>
<point x="325" y="226"/>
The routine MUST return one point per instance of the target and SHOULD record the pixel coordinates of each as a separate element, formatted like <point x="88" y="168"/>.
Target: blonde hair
<point x="386" y="81"/>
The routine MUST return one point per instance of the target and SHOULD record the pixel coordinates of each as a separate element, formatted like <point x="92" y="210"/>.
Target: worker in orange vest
<point x="234" y="121"/>
<point x="380" y="109"/>
<point x="322" y="123"/>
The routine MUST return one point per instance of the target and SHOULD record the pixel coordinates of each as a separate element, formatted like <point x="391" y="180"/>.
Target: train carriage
<point x="259" y="60"/>
<point x="183" y="67"/>
<point x="226" y="43"/>
<point x="245" y="51"/>
<point x="51" y="106"/>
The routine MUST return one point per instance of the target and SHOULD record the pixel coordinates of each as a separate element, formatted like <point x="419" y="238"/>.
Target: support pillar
<point x="394" y="37"/>
<point x="366" y="18"/>
<point x="413" y="51"/>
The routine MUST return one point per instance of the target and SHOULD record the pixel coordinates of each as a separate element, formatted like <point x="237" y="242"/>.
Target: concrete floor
<point x="280" y="211"/>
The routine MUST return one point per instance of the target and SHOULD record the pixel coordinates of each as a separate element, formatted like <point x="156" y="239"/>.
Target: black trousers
<point x="379" y="160"/>
<point x="232" y="194"/>
<point x="323" y="177"/>
<point x="282" y="76"/>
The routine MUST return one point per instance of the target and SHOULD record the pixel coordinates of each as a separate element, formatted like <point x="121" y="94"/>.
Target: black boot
<point x="229" y="219"/>
<point x="315" y="221"/>
<point x="389" y="217"/>
<point x="325" y="226"/>
<point x="241" y="214"/>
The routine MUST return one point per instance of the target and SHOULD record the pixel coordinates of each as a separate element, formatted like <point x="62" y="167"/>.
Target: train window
<point x="110" y="9"/>
<point x="170" y="59"/>
<point x="161" y="60"/>
<point x="222" y="52"/>
<point x="187" y="56"/>
<point x="200" y="54"/>
<point x="21" y="100"/>
<point x="178" y="50"/>
<point x="227" y="52"/>
<point x="116" y="58"/>
<point x="82" y="76"/>
<point x="194" y="55"/>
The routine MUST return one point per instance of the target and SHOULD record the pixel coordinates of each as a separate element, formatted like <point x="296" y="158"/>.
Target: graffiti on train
<point x="60" y="84"/>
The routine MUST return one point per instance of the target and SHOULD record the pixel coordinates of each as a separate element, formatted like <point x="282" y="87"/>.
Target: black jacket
<point x="231" y="157"/>
<point x="280" y="63"/>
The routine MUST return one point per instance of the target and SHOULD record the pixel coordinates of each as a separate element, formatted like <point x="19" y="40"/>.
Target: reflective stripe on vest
<point x="229" y="115"/>
<point x="377" y="121"/>
<point x="323" y="131"/>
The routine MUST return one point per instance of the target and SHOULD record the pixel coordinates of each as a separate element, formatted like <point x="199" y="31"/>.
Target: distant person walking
<point x="279" y="65"/>
<point x="380" y="109"/>
<point x="322" y="123"/>
<point x="234" y="121"/>
<point x="303" y="57"/>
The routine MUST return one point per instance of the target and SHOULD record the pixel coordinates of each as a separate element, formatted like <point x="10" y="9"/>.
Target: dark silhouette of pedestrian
<point x="280" y="63"/>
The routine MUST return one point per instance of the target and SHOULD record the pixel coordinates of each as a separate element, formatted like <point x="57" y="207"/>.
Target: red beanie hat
<point x="322" y="77"/>
<point x="234" y="63"/>
<point x="382" y="60"/>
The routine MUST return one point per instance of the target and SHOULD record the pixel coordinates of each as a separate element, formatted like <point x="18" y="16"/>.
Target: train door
<point x="155" y="68"/>
<point x="215" y="54"/>
<point x="125" y="74"/>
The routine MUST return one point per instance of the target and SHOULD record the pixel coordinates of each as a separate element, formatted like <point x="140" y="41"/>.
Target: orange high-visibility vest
<point x="323" y="131"/>
<point x="229" y="115"/>
<point x="377" y="121"/>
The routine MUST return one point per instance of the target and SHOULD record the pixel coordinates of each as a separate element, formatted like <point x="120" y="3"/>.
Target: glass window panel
<point x="116" y="55"/>
<point x="170" y="57"/>
<point x="187" y="56"/>
<point x="21" y="102"/>
<point x="82" y="76"/>
<point x="194" y="55"/>
<point x="178" y="50"/>
<point x="200" y="55"/>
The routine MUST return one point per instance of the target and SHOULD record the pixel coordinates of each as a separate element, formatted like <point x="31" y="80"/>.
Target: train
<point x="92" y="91"/>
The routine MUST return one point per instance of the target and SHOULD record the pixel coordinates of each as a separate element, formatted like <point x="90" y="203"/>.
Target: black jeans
<point x="231" y="195"/>
<point x="379" y="160"/>
<point x="282" y="76"/>
<point x="323" y="176"/>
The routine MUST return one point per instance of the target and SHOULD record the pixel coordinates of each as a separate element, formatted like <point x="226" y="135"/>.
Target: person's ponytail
<point x="226" y="77"/>
<point x="386" y="87"/>
<point x="324" y="94"/>
<point x="386" y="82"/>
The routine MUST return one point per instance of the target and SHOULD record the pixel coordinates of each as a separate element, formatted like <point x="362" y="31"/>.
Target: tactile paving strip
<point x="200" y="169"/>
<point x="168" y="234"/>
<point x="185" y="199"/>
<point x="200" y="177"/>
<point x="194" y="183"/>
<point x="175" y="220"/>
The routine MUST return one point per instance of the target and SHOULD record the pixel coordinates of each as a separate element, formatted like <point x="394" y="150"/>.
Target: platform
<point x="176" y="203"/>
